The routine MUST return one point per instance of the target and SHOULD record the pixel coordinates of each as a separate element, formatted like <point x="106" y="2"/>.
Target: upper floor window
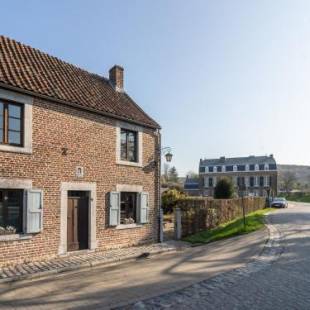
<point x="241" y="167"/>
<point x="229" y="168"/>
<point x="211" y="169"/>
<point x="262" y="167"/>
<point x="252" y="167"/>
<point x="11" y="123"/>
<point x="219" y="168"/>
<point x="202" y="169"/>
<point x="129" y="145"/>
<point x="272" y="167"/>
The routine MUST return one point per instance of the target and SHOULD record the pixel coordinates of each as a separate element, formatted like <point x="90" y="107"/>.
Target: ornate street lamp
<point x="167" y="153"/>
<point x="168" y="157"/>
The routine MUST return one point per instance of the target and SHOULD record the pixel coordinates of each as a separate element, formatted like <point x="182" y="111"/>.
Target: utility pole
<point x="242" y="190"/>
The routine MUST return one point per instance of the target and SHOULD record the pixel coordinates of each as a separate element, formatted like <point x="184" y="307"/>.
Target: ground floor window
<point x="210" y="182"/>
<point x="128" y="208"/>
<point x="11" y="208"/>
<point x="240" y="181"/>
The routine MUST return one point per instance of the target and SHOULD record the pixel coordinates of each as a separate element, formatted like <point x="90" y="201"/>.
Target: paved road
<point x="221" y="275"/>
<point x="102" y="288"/>
<point x="283" y="284"/>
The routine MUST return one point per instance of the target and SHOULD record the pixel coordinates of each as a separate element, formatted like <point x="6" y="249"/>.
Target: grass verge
<point x="254" y="221"/>
<point x="298" y="197"/>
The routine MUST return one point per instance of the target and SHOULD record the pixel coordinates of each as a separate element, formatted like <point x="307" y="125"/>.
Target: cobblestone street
<point x="280" y="282"/>
<point x="237" y="273"/>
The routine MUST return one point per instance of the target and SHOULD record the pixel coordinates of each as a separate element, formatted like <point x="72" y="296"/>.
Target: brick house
<point x="79" y="159"/>
<point x="256" y="175"/>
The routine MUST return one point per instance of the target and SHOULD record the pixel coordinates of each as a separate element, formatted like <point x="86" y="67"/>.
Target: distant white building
<point x="257" y="175"/>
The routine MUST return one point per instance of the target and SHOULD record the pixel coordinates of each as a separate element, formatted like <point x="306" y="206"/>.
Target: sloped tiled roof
<point x="238" y="160"/>
<point x="29" y="69"/>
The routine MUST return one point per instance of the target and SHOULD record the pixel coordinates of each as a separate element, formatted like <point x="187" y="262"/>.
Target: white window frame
<point x="134" y="189"/>
<point x="256" y="181"/>
<point x="76" y="186"/>
<point x="139" y="130"/>
<point x="24" y="184"/>
<point x="27" y="102"/>
<point x="206" y="180"/>
<point x="235" y="168"/>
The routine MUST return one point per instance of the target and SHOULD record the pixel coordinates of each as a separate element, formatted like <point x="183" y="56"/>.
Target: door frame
<point x="75" y="186"/>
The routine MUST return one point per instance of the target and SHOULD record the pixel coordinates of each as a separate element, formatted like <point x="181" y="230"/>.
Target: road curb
<point x="272" y="249"/>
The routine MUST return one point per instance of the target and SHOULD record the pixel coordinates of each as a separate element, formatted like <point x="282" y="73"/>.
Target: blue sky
<point x="221" y="77"/>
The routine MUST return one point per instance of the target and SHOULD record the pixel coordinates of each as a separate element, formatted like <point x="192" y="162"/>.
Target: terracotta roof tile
<point x="29" y="69"/>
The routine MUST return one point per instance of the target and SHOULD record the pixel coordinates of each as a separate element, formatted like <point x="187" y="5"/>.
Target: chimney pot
<point x="116" y="77"/>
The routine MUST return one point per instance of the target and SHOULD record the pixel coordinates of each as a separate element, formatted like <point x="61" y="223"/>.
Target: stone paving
<point x="277" y="279"/>
<point x="115" y="285"/>
<point x="86" y="259"/>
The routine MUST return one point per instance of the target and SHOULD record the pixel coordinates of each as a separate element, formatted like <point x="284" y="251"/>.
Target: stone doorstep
<point x="74" y="262"/>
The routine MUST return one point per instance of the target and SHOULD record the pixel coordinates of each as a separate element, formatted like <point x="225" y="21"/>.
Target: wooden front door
<point x="77" y="221"/>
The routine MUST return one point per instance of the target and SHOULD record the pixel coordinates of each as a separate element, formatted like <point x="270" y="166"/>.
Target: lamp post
<point x="268" y="196"/>
<point x="166" y="151"/>
<point x="242" y="189"/>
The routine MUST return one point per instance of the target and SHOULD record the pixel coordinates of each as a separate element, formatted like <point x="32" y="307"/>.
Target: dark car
<point x="279" y="202"/>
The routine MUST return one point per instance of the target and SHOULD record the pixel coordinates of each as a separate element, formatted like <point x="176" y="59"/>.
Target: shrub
<point x="170" y="198"/>
<point x="224" y="189"/>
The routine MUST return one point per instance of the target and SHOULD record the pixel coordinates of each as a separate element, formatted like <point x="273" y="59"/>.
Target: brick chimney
<point x="116" y="77"/>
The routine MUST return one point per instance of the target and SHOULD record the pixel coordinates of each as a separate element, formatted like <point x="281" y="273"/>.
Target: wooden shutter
<point x="115" y="206"/>
<point x="143" y="208"/>
<point x="34" y="211"/>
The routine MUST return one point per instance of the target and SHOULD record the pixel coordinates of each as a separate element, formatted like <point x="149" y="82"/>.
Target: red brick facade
<point x="90" y="140"/>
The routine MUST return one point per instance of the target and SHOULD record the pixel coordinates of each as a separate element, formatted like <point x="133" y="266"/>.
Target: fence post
<point x="161" y="225"/>
<point x="178" y="224"/>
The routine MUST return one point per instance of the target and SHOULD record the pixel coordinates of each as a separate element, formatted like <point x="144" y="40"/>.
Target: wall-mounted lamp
<point x="166" y="151"/>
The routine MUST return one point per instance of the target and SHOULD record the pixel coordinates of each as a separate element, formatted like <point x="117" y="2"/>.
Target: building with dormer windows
<point x="254" y="175"/>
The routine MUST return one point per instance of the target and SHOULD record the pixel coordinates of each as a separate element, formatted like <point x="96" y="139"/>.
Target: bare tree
<point x="192" y="175"/>
<point x="288" y="179"/>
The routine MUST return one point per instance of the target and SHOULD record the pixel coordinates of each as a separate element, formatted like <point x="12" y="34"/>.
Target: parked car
<point x="279" y="202"/>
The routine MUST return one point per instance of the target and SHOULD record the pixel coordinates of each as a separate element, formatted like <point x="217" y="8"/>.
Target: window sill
<point x="15" y="237"/>
<point x="129" y="163"/>
<point x="129" y="226"/>
<point x="15" y="149"/>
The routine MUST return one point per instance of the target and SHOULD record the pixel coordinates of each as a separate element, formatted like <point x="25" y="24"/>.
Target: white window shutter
<point x="34" y="211"/>
<point x="115" y="207"/>
<point x="143" y="210"/>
